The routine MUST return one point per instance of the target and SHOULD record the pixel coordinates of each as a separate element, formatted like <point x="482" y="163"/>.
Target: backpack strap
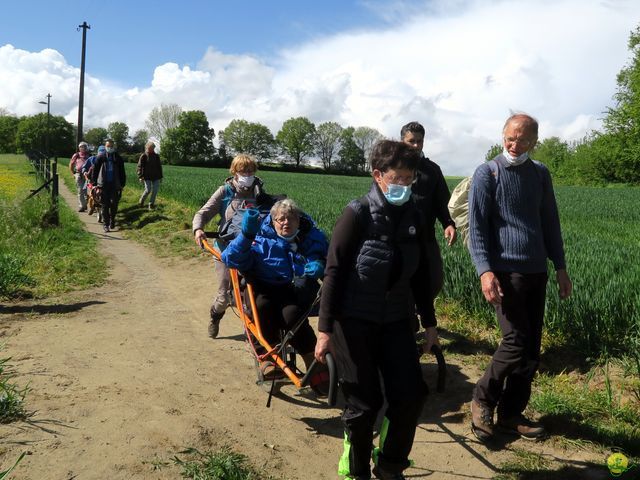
<point x="229" y="193"/>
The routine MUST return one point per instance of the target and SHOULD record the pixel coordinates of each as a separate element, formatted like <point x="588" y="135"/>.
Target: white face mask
<point x="519" y="160"/>
<point x="110" y="149"/>
<point x="245" y="182"/>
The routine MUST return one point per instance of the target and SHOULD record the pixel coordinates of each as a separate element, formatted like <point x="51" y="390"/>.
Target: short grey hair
<point x="149" y="144"/>
<point x="286" y="207"/>
<point x="530" y="123"/>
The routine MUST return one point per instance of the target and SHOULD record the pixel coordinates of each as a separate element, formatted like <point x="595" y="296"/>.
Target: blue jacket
<point x="270" y="259"/>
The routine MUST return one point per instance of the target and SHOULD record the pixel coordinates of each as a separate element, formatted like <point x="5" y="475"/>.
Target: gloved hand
<point x="314" y="269"/>
<point x="250" y="223"/>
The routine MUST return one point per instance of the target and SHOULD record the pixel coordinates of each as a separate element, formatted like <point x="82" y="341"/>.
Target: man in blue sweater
<point x="514" y="228"/>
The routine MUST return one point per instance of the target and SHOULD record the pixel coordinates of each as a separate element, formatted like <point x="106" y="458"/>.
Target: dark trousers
<point x="364" y="353"/>
<point x="507" y="380"/>
<point x="280" y="307"/>
<point x="110" y="200"/>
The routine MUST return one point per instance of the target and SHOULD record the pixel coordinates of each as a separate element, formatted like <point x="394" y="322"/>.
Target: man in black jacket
<point x="109" y="175"/>
<point x="431" y="195"/>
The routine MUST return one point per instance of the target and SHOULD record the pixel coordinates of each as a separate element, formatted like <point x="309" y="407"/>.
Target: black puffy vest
<point x="372" y="294"/>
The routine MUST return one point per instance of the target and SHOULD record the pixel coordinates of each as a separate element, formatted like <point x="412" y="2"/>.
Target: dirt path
<point x="125" y="375"/>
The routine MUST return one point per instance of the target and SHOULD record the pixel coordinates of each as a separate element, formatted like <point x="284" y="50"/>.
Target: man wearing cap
<point x="75" y="167"/>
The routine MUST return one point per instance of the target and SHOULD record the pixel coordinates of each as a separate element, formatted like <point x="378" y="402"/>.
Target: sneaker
<point x="481" y="421"/>
<point x="105" y="227"/>
<point x="82" y="209"/>
<point x="112" y="225"/>
<point x="521" y="426"/>
<point x="384" y="475"/>
<point x="214" y="324"/>
<point x="151" y="206"/>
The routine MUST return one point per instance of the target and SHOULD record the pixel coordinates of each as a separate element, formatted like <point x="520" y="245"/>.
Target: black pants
<point x="280" y="307"/>
<point x="507" y="380"/>
<point x="364" y="352"/>
<point x="110" y="200"/>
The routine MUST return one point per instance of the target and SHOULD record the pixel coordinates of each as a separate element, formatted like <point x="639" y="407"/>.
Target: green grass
<point x="12" y="397"/>
<point x="594" y="407"/>
<point x="36" y="259"/>
<point x="224" y="464"/>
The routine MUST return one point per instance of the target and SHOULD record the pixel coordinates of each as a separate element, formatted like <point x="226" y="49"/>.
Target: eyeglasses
<point x="518" y="141"/>
<point x="283" y="220"/>
<point x="399" y="180"/>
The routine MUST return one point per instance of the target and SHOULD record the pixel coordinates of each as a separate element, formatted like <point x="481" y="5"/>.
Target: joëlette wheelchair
<point x="283" y="355"/>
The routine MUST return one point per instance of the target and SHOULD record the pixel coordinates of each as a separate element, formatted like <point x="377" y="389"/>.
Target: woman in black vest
<point x="376" y="261"/>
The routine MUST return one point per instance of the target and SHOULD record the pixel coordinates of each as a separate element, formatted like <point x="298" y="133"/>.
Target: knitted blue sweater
<point x="513" y="219"/>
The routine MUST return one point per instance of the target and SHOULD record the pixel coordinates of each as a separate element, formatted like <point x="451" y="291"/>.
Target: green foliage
<point x="327" y="142"/>
<point x="8" y="132"/>
<point x="241" y="136"/>
<point x="296" y="139"/>
<point x="221" y="465"/>
<point x="5" y="473"/>
<point x="582" y="404"/>
<point x="11" y="396"/>
<point x="96" y="136"/>
<point x="190" y="141"/>
<point x="351" y="157"/>
<point x="139" y="140"/>
<point x="33" y="131"/>
<point x="119" y="133"/>
<point x="494" y="151"/>
<point x="365" y="138"/>
<point x="553" y="152"/>
<point x="37" y="260"/>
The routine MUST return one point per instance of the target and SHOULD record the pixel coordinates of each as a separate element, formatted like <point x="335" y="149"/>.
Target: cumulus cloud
<point x="458" y="67"/>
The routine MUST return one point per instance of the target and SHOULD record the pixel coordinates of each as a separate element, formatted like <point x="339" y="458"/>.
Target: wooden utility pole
<point x="84" y="28"/>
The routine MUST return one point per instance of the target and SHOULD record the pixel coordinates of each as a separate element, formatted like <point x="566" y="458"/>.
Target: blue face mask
<point x="290" y="238"/>
<point x="397" y="194"/>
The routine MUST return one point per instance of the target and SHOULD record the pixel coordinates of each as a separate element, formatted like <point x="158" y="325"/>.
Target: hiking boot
<point x="521" y="426"/>
<point x="214" y="324"/>
<point x="481" y="421"/>
<point x="384" y="475"/>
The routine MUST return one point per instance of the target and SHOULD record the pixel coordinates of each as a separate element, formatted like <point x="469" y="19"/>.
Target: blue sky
<point x="458" y="66"/>
<point x="128" y="39"/>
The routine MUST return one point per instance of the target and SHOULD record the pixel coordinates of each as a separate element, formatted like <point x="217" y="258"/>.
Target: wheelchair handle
<point x="333" y="378"/>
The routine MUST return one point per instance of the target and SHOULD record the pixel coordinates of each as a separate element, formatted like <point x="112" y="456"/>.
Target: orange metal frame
<point x="252" y="322"/>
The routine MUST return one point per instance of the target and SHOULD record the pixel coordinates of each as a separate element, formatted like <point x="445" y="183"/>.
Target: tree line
<point x="186" y="138"/>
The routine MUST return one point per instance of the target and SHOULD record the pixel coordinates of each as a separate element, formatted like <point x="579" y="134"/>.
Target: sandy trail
<point x="124" y="375"/>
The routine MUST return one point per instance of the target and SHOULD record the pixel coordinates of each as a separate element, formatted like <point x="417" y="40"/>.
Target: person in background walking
<point x="75" y="167"/>
<point x="242" y="188"/>
<point x="431" y="194"/>
<point x="109" y="175"/>
<point x="514" y="228"/>
<point x="150" y="173"/>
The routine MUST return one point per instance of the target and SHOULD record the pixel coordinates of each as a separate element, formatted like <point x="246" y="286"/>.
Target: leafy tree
<point x="296" y="138"/>
<point x="351" y="157"/>
<point x="139" y="140"/>
<point x="8" y="132"/>
<point x="553" y="152"/>
<point x="119" y="133"/>
<point x="32" y="135"/>
<point x="327" y="142"/>
<point x="495" y="150"/>
<point x="190" y="141"/>
<point x="241" y="136"/>
<point x="366" y="138"/>
<point x="163" y="118"/>
<point x="96" y="136"/>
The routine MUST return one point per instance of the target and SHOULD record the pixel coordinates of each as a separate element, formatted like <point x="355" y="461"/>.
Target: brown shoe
<point x="522" y="426"/>
<point x="481" y="421"/>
